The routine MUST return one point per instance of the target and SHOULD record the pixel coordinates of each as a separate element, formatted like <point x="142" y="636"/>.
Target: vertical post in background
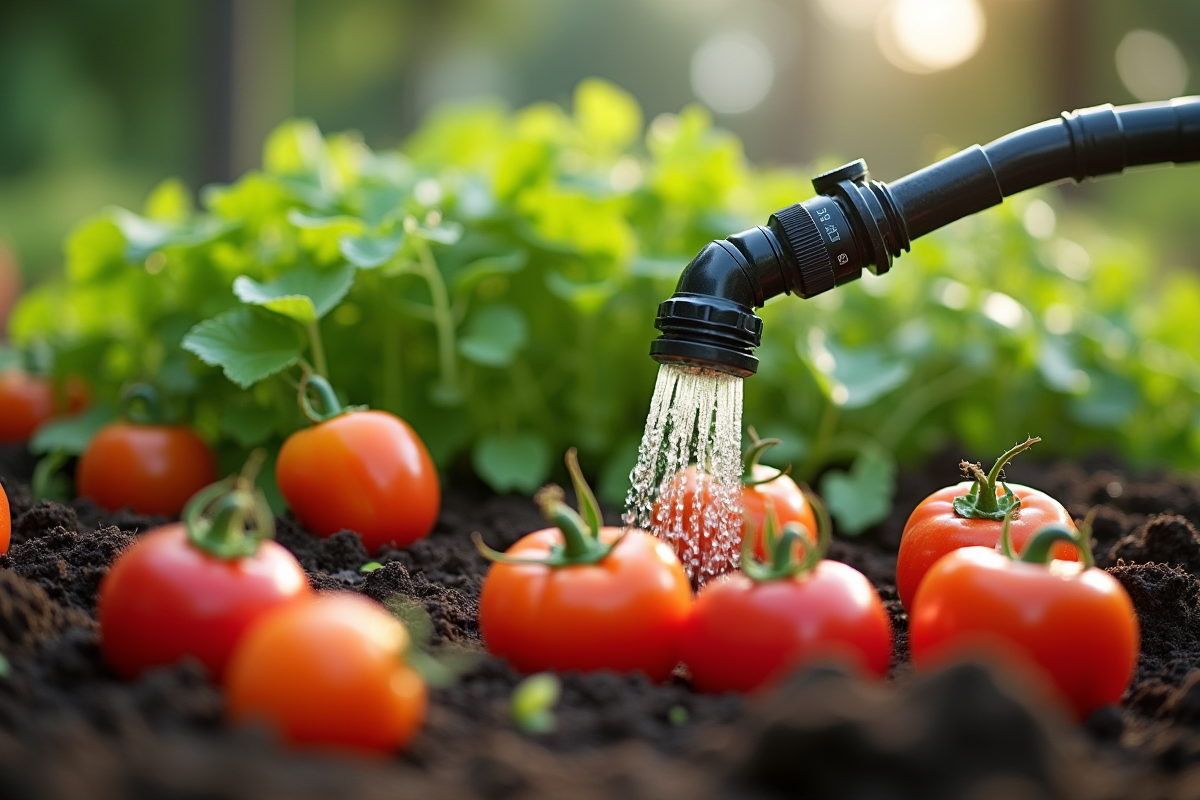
<point x="1070" y="55"/>
<point x="248" y="55"/>
<point x="216" y="90"/>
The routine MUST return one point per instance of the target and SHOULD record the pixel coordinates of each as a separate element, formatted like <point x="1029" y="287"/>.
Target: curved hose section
<point x="1078" y="145"/>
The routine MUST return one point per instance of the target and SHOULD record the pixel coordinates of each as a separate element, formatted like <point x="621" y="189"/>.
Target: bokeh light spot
<point x="1151" y="66"/>
<point x="732" y="72"/>
<point x="924" y="36"/>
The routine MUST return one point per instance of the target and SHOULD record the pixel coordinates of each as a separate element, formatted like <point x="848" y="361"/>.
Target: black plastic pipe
<point x="855" y="223"/>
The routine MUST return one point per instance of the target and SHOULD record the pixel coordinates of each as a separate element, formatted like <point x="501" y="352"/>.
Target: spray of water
<point x="695" y="418"/>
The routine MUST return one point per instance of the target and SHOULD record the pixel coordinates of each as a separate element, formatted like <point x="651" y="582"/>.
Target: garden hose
<point x="855" y="222"/>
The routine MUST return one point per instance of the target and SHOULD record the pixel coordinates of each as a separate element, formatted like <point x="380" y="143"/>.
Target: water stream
<point x="695" y="418"/>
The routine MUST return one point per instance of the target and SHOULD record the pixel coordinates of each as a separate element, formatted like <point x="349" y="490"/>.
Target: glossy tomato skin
<point x="26" y="401"/>
<point x="782" y="494"/>
<point x="153" y="469"/>
<point x="331" y="673"/>
<point x="744" y="635"/>
<point x="164" y="598"/>
<point x="5" y="523"/>
<point x="1079" y="626"/>
<point x="625" y="613"/>
<point x="366" y="471"/>
<point x="934" y="529"/>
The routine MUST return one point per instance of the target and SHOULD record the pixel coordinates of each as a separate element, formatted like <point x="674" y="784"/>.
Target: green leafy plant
<point x="494" y="282"/>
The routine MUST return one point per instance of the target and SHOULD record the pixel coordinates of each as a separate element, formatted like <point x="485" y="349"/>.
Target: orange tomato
<point x="624" y="613"/>
<point x="366" y="471"/>
<point x="330" y="672"/>
<point x="153" y="469"/>
<point x="935" y="529"/>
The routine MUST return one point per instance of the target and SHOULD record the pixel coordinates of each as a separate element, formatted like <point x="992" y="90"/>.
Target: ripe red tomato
<point x="744" y="634"/>
<point x="965" y="515"/>
<point x="1075" y="623"/>
<point x="165" y="598"/>
<point x="366" y="471"/>
<point x="623" y="613"/>
<point x="780" y="493"/>
<point x="330" y="672"/>
<point x="5" y="523"/>
<point x="26" y="401"/>
<point x="153" y="469"/>
<point x="934" y="529"/>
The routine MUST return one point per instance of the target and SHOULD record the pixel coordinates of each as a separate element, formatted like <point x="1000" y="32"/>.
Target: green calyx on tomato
<point x="580" y="530"/>
<point x="231" y="517"/>
<point x="782" y="561"/>
<point x="982" y="502"/>
<point x="1040" y="547"/>
<point x="751" y="457"/>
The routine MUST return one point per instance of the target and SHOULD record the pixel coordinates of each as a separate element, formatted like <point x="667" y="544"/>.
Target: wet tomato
<point x="581" y="596"/>
<point x="366" y="471"/>
<point x="152" y="469"/>
<point x="194" y="588"/>
<point x="330" y="672"/>
<point x="959" y="516"/>
<point x="777" y="491"/>
<point x="1074" y="623"/>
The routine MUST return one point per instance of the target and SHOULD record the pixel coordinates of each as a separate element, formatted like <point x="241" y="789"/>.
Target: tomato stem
<point x="229" y="518"/>
<point x="329" y="399"/>
<point x="752" y="455"/>
<point x="317" y="347"/>
<point x="443" y="320"/>
<point x="580" y="530"/>
<point x="1039" y="548"/>
<point x="780" y="547"/>
<point x="982" y="502"/>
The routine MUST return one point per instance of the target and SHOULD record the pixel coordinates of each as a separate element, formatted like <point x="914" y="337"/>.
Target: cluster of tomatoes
<point x="582" y="596"/>
<point x="330" y="670"/>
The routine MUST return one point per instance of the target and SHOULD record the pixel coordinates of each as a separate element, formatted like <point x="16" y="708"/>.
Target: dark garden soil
<point x="70" y="729"/>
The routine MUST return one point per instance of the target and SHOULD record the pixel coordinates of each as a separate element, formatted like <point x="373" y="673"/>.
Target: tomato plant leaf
<point x="71" y="435"/>
<point x="856" y="377"/>
<point x="518" y="462"/>
<point x="494" y="335"/>
<point x="249" y="426"/>
<point x="369" y="251"/>
<point x="861" y="497"/>
<point x="246" y="344"/>
<point x="305" y="294"/>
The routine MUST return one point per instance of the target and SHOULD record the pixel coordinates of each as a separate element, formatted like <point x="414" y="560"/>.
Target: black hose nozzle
<point x="856" y="223"/>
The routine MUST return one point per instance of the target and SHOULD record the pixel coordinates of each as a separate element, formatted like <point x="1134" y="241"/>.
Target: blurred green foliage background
<point x="491" y="274"/>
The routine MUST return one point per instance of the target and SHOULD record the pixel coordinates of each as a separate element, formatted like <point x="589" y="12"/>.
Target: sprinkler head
<point x="804" y="249"/>
<point x="707" y="332"/>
